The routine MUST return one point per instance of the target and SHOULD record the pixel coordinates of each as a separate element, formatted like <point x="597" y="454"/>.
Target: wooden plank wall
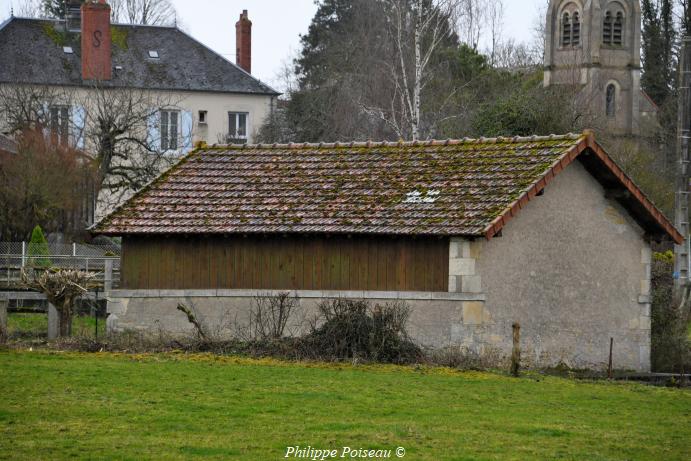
<point x="286" y="263"/>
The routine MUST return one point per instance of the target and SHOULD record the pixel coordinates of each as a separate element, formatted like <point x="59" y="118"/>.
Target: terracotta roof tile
<point x="424" y="188"/>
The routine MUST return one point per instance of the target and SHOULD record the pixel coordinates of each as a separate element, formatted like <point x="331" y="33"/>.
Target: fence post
<point x="53" y="322"/>
<point x="23" y="254"/>
<point x="3" y="319"/>
<point x="516" y="352"/>
<point x="108" y="276"/>
<point x="74" y="249"/>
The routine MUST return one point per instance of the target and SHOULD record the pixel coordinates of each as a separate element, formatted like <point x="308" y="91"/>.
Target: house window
<point x="237" y="127"/>
<point x="611" y="100"/>
<point x="60" y="124"/>
<point x="566" y="30"/>
<point x="202" y="117"/>
<point x="170" y="121"/>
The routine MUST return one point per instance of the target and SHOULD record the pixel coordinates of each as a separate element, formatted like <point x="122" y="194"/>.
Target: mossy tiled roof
<point x="440" y="188"/>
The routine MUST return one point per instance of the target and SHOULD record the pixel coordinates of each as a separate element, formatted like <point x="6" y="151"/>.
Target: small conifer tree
<point x="38" y="249"/>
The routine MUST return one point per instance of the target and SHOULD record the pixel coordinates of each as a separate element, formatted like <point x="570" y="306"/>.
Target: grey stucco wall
<point x="574" y="270"/>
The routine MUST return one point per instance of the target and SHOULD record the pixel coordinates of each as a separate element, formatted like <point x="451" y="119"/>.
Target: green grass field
<point x="35" y="325"/>
<point x="175" y="406"/>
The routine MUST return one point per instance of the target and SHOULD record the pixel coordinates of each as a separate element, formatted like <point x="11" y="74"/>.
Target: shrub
<point x="38" y="249"/>
<point x="353" y="329"/>
<point x="670" y="347"/>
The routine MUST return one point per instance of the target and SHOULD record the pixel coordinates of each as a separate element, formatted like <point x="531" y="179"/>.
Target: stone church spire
<point x="596" y="44"/>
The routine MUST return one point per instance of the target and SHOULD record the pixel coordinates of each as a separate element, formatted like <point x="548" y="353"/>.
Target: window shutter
<point x="45" y="118"/>
<point x="78" y="126"/>
<point x="186" y="133"/>
<point x="153" y="125"/>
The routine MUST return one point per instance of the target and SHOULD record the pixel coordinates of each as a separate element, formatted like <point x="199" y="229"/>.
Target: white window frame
<point x="233" y="135"/>
<point x="62" y="129"/>
<point x="166" y="130"/>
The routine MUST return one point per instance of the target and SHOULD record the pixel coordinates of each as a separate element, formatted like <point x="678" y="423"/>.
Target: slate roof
<point x="31" y="51"/>
<point x="465" y="187"/>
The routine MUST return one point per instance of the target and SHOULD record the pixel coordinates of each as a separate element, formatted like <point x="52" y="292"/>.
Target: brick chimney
<point x="96" y="41"/>
<point x="243" y="42"/>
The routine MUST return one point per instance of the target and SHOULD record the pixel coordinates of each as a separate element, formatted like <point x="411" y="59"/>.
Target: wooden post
<point x="3" y="319"/>
<point x="108" y="276"/>
<point x="609" y="368"/>
<point x="53" y="322"/>
<point x="516" y="353"/>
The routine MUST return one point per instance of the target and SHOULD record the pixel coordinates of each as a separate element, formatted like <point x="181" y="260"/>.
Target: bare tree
<point x="28" y="106"/>
<point x="495" y="18"/>
<point x="148" y="12"/>
<point x="62" y="287"/>
<point x="417" y="31"/>
<point x="120" y="128"/>
<point x="471" y="16"/>
<point x="124" y="130"/>
<point x="28" y="9"/>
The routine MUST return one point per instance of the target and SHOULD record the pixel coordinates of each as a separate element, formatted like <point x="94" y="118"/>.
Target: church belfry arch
<point x="591" y="43"/>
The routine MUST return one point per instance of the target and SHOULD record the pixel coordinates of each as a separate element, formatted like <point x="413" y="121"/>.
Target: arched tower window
<point x="618" y="30"/>
<point x="566" y="30"/>
<point x="576" y="30"/>
<point x="611" y="100"/>
<point x="613" y="26"/>
<point x="607" y="29"/>
<point x="570" y="21"/>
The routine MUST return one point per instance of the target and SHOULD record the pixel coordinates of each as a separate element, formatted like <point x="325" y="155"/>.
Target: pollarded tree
<point x="62" y="288"/>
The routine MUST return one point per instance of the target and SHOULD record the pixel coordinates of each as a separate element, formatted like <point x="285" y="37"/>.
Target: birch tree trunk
<point x="417" y="86"/>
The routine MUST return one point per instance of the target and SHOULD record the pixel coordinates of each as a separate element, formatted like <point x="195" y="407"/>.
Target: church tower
<point x="596" y="44"/>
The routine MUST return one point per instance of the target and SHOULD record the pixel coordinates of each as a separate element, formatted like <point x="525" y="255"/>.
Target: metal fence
<point x="104" y="260"/>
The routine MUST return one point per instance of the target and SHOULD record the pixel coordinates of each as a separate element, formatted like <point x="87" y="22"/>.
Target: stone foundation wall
<point x="437" y="319"/>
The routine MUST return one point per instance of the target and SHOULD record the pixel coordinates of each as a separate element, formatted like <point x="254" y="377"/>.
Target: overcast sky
<point x="277" y="25"/>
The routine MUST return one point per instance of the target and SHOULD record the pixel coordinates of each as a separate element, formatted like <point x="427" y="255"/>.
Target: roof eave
<point x="587" y="143"/>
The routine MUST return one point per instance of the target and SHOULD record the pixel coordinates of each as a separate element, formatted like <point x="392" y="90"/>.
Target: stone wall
<point x="574" y="269"/>
<point x="434" y="321"/>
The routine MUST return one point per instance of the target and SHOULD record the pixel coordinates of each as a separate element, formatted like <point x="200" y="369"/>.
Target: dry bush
<point x="269" y="315"/>
<point x="353" y="329"/>
<point x="464" y="358"/>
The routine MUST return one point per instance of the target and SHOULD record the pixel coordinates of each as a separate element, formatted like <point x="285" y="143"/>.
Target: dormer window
<point x="153" y="54"/>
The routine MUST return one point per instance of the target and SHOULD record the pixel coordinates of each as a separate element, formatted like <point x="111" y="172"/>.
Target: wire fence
<point x="104" y="260"/>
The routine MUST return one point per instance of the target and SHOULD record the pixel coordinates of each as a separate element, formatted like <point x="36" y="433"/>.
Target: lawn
<point x="35" y="325"/>
<point x="175" y="406"/>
